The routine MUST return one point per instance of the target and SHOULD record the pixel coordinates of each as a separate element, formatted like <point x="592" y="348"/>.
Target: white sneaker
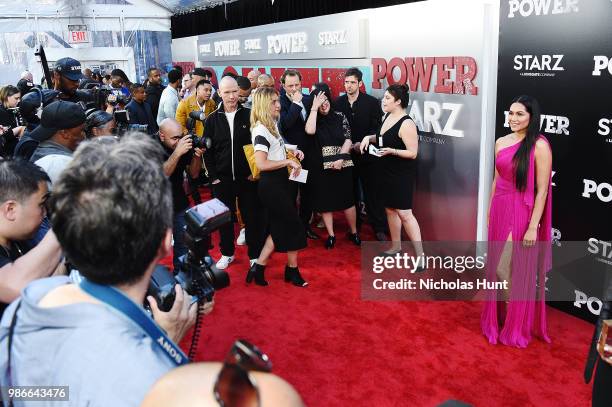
<point x="224" y="261"/>
<point x="241" y="241"/>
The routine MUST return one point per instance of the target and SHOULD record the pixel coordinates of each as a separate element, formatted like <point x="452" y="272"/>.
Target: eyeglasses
<point x="234" y="387"/>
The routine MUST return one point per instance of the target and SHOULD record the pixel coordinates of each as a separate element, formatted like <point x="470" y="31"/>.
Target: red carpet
<point x="340" y="351"/>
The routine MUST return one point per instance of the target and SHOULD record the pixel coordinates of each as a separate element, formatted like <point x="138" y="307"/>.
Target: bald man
<point x="180" y="156"/>
<point x="265" y="81"/>
<point x="252" y="76"/>
<point x="229" y="129"/>
<point x="193" y="386"/>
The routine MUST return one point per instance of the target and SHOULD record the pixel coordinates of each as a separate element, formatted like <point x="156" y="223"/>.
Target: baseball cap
<point x="70" y="68"/>
<point x="57" y="116"/>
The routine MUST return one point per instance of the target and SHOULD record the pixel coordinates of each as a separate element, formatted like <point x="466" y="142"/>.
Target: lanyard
<point x="123" y="304"/>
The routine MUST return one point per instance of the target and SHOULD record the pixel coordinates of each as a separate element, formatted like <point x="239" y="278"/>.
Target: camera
<point x="197" y="274"/>
<point x="19" y="121"/>
<point x="122" y="119"/>
<point x="198" y="142"/>
<point x="115" y="98"/>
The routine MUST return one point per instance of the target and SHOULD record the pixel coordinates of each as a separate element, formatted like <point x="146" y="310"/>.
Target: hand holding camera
<point x="184" y="145"/>
<point x="181" y="316"/>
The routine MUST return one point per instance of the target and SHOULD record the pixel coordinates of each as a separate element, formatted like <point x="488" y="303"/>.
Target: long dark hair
<point x="521" y="157"/>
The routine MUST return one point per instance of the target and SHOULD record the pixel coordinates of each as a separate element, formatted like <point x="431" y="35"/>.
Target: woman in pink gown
<point x="519" y="230"/>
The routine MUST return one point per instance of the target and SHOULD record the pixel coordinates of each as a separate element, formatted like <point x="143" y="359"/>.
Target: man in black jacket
<point x="364" y="115"/>
<point x="295" y="108"/>
<point x="139" y="109"/>
<point x="229" y="130"/>
<point x="154" y="89"/>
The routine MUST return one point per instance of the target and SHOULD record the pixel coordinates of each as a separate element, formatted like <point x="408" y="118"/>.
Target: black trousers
<point x="602" y="385"/>
<point x="365" y="174"/>
<point x="252" y="213"/>
<point x="306" y="194"/>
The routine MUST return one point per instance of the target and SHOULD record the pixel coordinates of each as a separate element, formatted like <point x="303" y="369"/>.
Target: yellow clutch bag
<point x="249" y="152"/>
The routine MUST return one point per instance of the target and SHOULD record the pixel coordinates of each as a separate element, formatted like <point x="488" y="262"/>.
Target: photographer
<point x="180" y="156"/>
<point x="99" y="123"/>
<point x="66" y="79"/>
<point x="60" y="131"/>
<point x="23" y="192"/>
<point x="139" y="109"/>
<point x="111" y="211"/>
<point x="199" y="102"/>
<point x="9" y="99"/>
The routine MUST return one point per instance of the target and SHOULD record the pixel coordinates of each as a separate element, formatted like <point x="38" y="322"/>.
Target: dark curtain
<point x="248" y="13"/>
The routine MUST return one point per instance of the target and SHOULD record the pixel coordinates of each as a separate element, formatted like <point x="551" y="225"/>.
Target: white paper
<point x="291" y="147"/>
<point x="301" y="177"/>
<point x="374" y="151"/>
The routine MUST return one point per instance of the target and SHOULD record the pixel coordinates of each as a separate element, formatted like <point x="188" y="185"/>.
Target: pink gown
<point x="511" y="213"/>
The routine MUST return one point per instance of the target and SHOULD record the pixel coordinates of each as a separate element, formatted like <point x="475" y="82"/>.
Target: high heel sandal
<point x="354" y="237"/>
<point x="293" y="276"/>
<point x="256" y="272"/>
<point x="330" y="242"/>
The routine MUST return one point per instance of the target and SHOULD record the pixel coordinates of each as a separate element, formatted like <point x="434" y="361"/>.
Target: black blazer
<point x="293" y="126"/>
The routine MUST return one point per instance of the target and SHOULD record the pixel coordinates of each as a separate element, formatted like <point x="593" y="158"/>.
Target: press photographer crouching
<point x="111" y="210"/>
<point x="180" y="156"/>
<point x="23" y="192"/>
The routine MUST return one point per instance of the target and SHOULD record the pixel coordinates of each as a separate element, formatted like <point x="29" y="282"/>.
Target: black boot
<point x="257" y="272"/>
<point x="330" y="242"/>
<point x="292" y="275"/>
<point x="354" y="237"/>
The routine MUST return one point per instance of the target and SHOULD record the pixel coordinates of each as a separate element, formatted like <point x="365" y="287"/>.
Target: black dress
<point x="397" y="174"/>
<point x="333" y="188"/>
<point x="283" y="221"/>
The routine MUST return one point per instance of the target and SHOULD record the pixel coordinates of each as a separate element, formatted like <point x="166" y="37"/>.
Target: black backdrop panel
<point x="561" y="53"/>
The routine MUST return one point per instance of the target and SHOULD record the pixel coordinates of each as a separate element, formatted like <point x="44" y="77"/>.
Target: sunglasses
<point x="234" y="387"/>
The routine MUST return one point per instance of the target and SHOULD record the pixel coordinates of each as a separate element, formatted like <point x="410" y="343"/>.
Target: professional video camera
<point x="198" y="142"/>
<point x="197" y="274"/>
<point x="122" y="119"/>
<point x="116" y="98"/>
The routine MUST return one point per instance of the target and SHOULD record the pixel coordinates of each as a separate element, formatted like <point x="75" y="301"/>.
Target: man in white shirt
<point x="169" y="99"/>
<point x="229" y="130"/>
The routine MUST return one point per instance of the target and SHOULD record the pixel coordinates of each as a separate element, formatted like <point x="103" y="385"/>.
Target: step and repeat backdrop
<point x="447" y="74"/>
<point x="560" y="52"/>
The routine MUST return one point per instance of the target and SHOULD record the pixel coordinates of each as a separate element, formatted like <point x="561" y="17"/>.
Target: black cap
<point x="70" y="68"/>
<point x="24" y="86"/>
<point x="199" y="72"/>
<point x="57" y="116"/>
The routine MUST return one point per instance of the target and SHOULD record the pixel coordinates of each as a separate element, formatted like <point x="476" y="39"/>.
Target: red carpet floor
<point x="338" y="350"/>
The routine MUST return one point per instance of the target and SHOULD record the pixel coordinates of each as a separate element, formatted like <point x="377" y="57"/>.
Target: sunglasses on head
<point x="234" y="387"/>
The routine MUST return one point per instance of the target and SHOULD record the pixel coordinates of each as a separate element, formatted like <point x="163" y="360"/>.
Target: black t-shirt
<point x="9" y="255"/>
<point x="179" y="197"/>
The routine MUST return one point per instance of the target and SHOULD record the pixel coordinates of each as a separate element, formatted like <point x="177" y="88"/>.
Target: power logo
<point x="602" y="62"/>
<point x="526" y="8"/>
<point x="594" y="304"/>
<point x="549" y="124"/>
<point x="603" y="191"/>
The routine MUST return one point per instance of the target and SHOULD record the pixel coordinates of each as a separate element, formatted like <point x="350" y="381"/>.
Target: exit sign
<point x="78" y="34"/>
